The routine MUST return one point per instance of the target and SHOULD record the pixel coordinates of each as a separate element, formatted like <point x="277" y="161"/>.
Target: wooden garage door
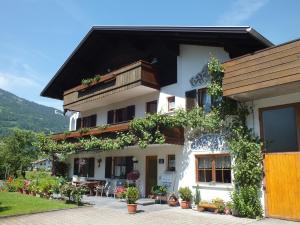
<point x="280" y="131"/>
<point x="282" y="181"/>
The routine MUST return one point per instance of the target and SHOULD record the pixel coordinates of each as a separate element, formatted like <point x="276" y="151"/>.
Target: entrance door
<point x="280" y="132"/>
<point x="151" y="173"/>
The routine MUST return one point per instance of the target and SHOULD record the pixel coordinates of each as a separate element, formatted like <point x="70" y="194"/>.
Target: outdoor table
<point x="89" y="184"/>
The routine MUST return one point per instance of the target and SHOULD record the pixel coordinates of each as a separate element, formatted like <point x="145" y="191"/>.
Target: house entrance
<point x="280" y="132"/>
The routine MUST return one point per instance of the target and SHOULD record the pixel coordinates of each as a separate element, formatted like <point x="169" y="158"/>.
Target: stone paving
<point x="108" y="211"/>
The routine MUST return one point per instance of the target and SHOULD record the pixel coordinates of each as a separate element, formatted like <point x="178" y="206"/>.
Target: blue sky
<point x="36" y="36"/>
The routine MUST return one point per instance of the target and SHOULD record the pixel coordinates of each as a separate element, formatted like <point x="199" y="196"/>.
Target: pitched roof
<point x="237" y="40"/>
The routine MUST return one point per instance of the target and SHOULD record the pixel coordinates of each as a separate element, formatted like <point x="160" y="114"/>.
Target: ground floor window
<point x="118" y="167"/>
<point x="171" y="163"/>
<point x="84" y="167"/>
<point x="213" y="168"/>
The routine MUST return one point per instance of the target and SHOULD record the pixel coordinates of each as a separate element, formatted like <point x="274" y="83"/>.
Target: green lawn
<point x="12" y="203"/>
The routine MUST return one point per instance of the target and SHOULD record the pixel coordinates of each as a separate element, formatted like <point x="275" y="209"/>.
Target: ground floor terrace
<point x="173" y="166"/>
<point x="110" y="211"/>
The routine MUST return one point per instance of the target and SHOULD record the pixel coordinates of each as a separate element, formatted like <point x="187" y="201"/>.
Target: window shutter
<point x="130" y="112"/>
<point x="129" y="164"/>
<point x="91" y="167"/>
<point x="93" y="120"/>
<point x="78" y="123"/>
<point x="108" y="167"/>
<point x="110" y="117"/>
<point x="191" y="97"/>
<point x="76" y="166"/>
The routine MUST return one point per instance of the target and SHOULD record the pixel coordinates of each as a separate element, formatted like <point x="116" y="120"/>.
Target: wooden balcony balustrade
<point x="172" y="136"/>
<point x="266" y="73"/>
<point x="127" y="82"/>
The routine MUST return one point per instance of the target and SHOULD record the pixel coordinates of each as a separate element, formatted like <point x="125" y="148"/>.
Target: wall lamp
<point x="134" y="160"/>
<point x="99" y="162"/>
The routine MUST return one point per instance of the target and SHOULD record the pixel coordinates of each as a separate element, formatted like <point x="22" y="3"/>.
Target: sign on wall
<point x="202" y="78"/>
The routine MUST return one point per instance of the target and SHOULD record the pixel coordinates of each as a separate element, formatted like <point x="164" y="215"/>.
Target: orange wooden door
<point x="282" y="182"/>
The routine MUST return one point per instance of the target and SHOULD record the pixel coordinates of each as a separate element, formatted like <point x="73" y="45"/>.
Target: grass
<point x="12" y="203"/>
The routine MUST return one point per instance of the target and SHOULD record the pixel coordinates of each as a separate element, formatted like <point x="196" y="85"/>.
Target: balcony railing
<point x="127" y="82"/>
<point x="172" y="135"/>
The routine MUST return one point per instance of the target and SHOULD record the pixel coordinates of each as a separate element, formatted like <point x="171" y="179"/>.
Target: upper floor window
<point x="151" y="107"/>
<point x="213" y="168"/>
<point x="171" y="103"/>
<point x="121" y="115"/>
<point x="88" y="121"/>
<point x="198" y="98"/>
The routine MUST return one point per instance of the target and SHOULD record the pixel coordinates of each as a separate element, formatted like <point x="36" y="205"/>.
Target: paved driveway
<point x="111" y="212"/>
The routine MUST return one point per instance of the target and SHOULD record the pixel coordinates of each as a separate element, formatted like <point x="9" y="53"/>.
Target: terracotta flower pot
<point x="131" y="208"/>
<point x="185" y="204"/>
<point x="172" y="202"/>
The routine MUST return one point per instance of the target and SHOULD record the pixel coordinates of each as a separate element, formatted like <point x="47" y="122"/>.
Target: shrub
<point x="73" y="193"/>
<point x="159" y="190"/>
<point x="132" y="195"/>
<point x="18" y="184"/>
<point x="185" y="194"/>
<point x="66" y="190"/>
<point x="220" y="204"/>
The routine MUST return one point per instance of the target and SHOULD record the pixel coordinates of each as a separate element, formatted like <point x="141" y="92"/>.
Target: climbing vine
<point x="245" y="149"/>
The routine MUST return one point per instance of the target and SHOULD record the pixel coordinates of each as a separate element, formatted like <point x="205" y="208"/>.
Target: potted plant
<point x="186" y="196"/>
<point x="132" y="195"/>
<point x="197" y="197"/>
<point x="173" y="200"/>
<point x="220" y="204"/>
<point x="228" y="208"/>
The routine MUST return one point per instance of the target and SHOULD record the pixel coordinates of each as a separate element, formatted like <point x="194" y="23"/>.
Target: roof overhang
<point x="88" y="57"/>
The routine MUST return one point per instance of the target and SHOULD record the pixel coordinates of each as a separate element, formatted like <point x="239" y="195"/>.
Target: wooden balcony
<point x="267" y="73"/>
<point x="127" y="82"/>
<point x="172" y="136"/>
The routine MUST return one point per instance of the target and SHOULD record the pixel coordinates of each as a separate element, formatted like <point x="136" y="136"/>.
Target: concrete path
<point x="113" y="212"/>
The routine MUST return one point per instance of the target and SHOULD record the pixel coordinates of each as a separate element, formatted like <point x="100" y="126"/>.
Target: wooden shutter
<point x="129" y="164"/>
<point x="91" y="167"/>
<point x="76" y="166"/>
<point x="78" y="123"/>
<point x="191" y="99"/>
<point x="110" y="117"/>
<point x="93" y="120"/>
<point x="130" y="112"/>
<point x="108" y="167"/>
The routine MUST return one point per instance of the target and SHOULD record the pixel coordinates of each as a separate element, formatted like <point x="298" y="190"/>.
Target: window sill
<point x="215" y="186"/>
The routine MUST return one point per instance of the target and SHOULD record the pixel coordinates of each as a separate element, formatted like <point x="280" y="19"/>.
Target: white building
<point x="157" y="69"/>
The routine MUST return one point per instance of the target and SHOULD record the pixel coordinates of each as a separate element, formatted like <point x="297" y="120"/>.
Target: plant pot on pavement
<point x="185" y="204"/>
<point x="131" y="208"/>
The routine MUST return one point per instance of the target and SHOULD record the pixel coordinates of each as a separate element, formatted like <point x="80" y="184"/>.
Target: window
<point x="171" y="163"/>
<point x="213" y="168"/>
<point x="121" y="115"/>
<point x="171" y="103"/>
<point x="283" y="119"/>
<point x="151" y="107"/>
<point x="88" y="121"/>
<point x="84" y="167"/>
<point x="118" y="167"/>
<point x="198" y="98"/>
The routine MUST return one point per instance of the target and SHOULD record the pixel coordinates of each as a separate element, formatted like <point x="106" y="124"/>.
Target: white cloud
<point x="240" y="11"/>
<point x="12" y="82"/>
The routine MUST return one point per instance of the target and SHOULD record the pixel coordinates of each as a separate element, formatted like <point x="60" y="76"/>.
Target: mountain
<point x="21" y="113"/>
